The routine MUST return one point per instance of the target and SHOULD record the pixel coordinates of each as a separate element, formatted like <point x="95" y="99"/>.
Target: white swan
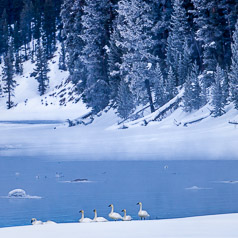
<point x="49" y="223"/>
<point x="113" y="215"/>
<point x="84" y="220"/>
<point x="36" y="222"/>
<point x="125" y="217"/>
<point x="98" y="219"/>
<point x="142" y="213"/>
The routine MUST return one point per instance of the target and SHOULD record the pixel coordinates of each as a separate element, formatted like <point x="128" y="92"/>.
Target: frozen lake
<point x="168" y="189"/>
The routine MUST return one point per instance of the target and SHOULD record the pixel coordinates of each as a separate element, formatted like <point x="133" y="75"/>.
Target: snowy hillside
<point x="62" y="102"/>
<point x="59" y="103"/>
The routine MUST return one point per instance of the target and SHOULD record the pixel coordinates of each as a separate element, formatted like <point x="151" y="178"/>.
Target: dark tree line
<point x="129" y="53"/>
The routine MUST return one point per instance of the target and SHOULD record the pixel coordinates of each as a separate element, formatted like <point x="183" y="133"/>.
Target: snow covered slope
<point x="59" y="103"/>
<point x="219" y="226"/>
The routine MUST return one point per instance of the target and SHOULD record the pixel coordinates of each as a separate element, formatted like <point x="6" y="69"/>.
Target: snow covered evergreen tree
<point x="192" y="90"/>
<point x="95" y="36"/>
<point x="18" y="63"/>
<point x="218" y="101"/>
<point x="25" y="25"/>
<point x="114" y="53"/>
<point x="176" y="40"/>
<point x="41" y="68"/>
<point x="234" y="68"/>
<point x="159" y="89"/>
<point x="62" y="63"/>
<point x="211" y="25"/>
<point x="125" y="104"/>
<point x="69" y="10"/>
<point x="170" y="85"/>
<point x="9" y="83"/>
<point x="184" y="63"/>
<point x="137" y="44"/>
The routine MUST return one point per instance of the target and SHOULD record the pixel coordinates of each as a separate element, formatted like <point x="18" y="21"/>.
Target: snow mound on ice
<point x="196" y="188"/>
<point x="20" y="193"/>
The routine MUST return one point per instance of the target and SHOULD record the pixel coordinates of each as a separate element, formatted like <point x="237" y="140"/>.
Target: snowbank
<point x="219" y="226"/>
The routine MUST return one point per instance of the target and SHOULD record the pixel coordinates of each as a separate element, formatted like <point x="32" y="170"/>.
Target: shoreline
<point x="217" y="226"/>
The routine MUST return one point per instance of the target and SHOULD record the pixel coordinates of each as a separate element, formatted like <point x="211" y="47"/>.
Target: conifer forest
<point x="128" y="53"/>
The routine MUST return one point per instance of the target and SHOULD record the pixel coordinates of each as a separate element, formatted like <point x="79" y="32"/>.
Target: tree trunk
<point x="147" y="85"/>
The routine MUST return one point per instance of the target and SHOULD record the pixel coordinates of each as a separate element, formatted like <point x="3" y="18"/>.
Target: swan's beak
<point x="80" y="211"/>
<point x="31" y="220"/>
<point x="94" y="210"/>
<point x="137" y="203"/>
<point x="122" y="210"/>
<point x="110" y="205"/>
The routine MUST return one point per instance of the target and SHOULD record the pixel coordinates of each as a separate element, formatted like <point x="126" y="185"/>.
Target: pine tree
<point x="4" y="34"/>
<point x="41" y="69"/>
<point x="176" y="40"/>
<point x="162" y="11"/>
<point x="159" y="89"/>
<point x="192" y="90"/>
<point x="49" y="27"/>
<point x="62" y="63"/>
<point x="68" y="17"/>
<point x="114" y="53"/>
<point x="211" y="25"/>
<point x="125" y="104"/>
<point x="95" y="38"/>
<point x="137" y="43"/>
<point x="25" y="25"/>
<point x="234" y="68"/>
<point x="184" y="63"/>
<point x="18" y="63"/>
<point x="8" y="81"/>
<point x="217" y="94"/>
<point x="170" y="85"/>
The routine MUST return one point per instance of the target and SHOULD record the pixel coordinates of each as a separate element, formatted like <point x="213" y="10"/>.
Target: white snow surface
<point x="218" y="226"/>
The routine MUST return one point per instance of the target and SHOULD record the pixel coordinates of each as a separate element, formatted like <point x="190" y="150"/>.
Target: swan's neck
<point x="140" y="207"/>
<point x="82" y="215"/>
<point x="125" y="214"/>
<point x="112" y="209"/>
<point x="95" y="215"/>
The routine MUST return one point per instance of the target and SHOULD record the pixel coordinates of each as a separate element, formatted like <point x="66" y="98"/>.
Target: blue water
<point x="160" y="186"/>
<point x="33" y="122"/>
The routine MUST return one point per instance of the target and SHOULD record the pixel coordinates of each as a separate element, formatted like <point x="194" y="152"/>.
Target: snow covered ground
<point x="213" y="138"/>
<point x="218" y="226"/>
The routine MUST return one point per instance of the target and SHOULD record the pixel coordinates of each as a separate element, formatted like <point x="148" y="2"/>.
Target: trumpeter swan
<point x="84" y="220"/>
<point x="125" y="217"/>
<point x="142" y="213"/>
<point x="36" y="222"/>
<point x="49" y="223"/>
<point x="98" y="219"/>
<point x="113" y="215"/>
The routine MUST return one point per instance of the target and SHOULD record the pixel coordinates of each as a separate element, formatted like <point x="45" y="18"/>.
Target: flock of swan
<point x="113" y="215"/>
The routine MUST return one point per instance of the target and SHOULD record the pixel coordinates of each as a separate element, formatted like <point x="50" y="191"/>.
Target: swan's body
<point x="36" y="222"/>
<point x="49" y="223"/>
<point x="142" y="213"/>
<point x="113" y="215"/>
<point x="125" y="217"/>
<point x="98" y="219"/>
<point x="84" y="220"/>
